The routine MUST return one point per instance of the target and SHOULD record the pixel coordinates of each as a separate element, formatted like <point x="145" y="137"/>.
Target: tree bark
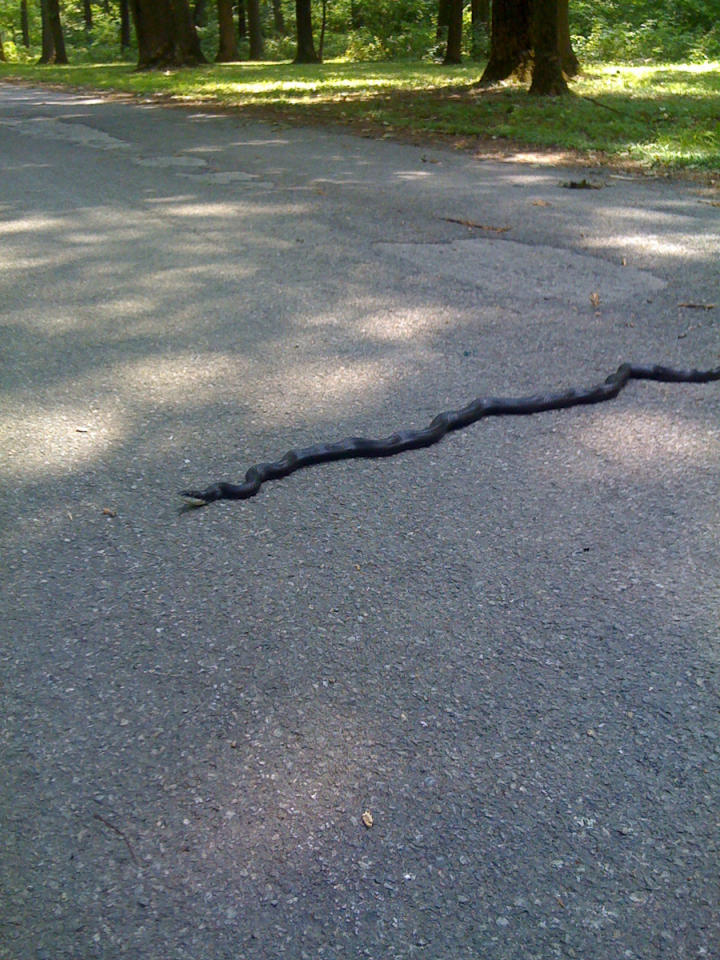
<point x="278" y="18"/>
<point x="53" y="9"/>
<point x="47" y="53"/>
<point x="453" y="50"/>
<point x="241" y="19"/>
<point x="227" y="38"/>
<point x="257" y="46"/>
<point x="547" y="74"/>
<point x="305" y="46"/>
<point x="480" y="17"/>
<point x="443" y="18"/>
<point x="200" y="17"/>
<point x="568" y="60"/>
<point x="510" y="42"/>
<point x="165" y="34"/>
<point x="24" y="23"/>
<point x="124" y="25"/>
<point x="2" y="52"/>
<point x="87" y="15"/>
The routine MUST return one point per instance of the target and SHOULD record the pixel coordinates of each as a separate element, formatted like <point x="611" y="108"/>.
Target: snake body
<point x="402" y="440"/>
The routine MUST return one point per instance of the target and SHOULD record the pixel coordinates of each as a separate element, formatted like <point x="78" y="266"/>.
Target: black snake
<point x="353" y="447"/>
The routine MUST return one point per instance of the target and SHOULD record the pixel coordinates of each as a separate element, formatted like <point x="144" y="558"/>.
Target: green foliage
<point x="629" y="31"/>
<point x="623" y="31"/>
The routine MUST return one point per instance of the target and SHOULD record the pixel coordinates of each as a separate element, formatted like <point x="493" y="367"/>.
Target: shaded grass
<point x="660" y="116"/>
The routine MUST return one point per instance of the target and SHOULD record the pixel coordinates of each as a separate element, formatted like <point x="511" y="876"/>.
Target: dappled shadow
<point x="496" y="646"/>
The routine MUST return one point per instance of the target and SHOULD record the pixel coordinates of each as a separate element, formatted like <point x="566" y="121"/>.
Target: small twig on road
<point x="120" y="833"/>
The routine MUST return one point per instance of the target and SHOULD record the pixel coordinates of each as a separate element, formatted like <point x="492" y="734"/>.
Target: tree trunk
<point x="2" y="52"/>
<point x="305" y="46"/>
<point x="356" y="17"/>
<point x="278" y="18"/>
<point x="165" y="34"/>
<point x="24" y="23"/>
<point x="453" y="50"/>
<point x="47" y="53"/>
<point x="124" y="25"/>
<point x="227" y="39"/>
<point x="56" y="30"/>
<point x="200" y="17"/>
<point x="510" y="42"/>
<point x="568" y="60"/>
<point x="87" y="15"/>
<point x="547" y="75"/>
<point x="480" y="16"/>
<point x="323" y="26"/>
<point x="257" y="47"/>
<point x="241" y="19"/>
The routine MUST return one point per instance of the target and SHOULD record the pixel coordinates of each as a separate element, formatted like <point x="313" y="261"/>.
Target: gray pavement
<point x="503" y="648"/>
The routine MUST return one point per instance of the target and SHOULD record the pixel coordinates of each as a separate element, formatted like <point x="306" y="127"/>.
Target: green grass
<point x="659" y="116"/>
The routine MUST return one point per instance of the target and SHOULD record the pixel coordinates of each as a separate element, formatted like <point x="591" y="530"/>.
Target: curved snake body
<point x="357" y="447"/>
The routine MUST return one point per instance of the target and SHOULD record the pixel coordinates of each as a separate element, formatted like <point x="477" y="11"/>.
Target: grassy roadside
<point x="662" y="117"/>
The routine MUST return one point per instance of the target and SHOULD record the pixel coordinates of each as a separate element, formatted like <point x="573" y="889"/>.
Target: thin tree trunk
<point x="323" y="25"/>
<point x="257" y="46"/>
<point x="241" y="19"/>
<point x="2" y="52"/>
<point x="547" y="75"/>
<point x="443" y="19"/>
<point x="24" y="23"/>
<point x="227" y="38"/>
<point x="87" y="15"/>
<point x="305" y="45"/>
<point x="200" y="17"/>
<point x="453" y="51"/>
<point x="480" y="15"/>
<point x="278" y="18"/>
<point x="124" y="25"/>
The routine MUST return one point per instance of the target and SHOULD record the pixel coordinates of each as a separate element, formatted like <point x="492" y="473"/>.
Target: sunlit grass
<point x="659" y="115"/>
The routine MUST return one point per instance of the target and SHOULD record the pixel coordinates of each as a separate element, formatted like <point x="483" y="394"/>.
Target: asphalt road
<point x="503" y="649"/>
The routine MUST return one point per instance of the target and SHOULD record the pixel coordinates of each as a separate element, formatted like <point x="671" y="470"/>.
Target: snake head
<point x="195" y="498"/>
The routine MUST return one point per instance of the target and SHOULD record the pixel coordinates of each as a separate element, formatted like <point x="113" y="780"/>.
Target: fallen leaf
<point x="367" y="819"/>
<point x="107" y="512"/>
<point x="595" y="299"/>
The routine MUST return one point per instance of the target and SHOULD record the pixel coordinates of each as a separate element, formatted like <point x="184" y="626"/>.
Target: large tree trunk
<point x="547" y="74"/>
<point x="227" y="38"/>
<point x="305" y="46"/>
<point x="453" y="51"/>
<point x="257" y="47"/>
<point x="510" y="42"/>
<point x="165" y="34"/>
